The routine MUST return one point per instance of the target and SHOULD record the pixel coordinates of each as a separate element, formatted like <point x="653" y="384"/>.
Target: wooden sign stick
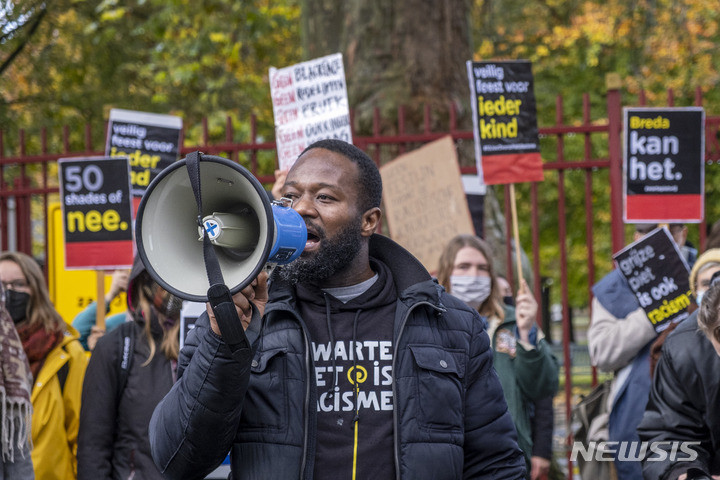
<point x="100" y="310"/>
<point x="516" y="235"/>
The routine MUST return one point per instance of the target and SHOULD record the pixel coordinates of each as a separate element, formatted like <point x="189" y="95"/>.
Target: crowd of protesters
<point x="355" y="362"/>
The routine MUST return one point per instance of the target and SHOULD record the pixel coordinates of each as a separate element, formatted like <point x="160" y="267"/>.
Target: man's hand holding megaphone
<point x="256" y="293"/>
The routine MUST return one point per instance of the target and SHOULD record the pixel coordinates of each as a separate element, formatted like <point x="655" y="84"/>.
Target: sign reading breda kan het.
<point x="663" y="165"/>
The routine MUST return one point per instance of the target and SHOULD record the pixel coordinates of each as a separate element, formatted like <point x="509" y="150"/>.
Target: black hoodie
<point x="354" y="425"/>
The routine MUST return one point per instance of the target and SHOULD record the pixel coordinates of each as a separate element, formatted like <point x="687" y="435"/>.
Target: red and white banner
<point x="309" y="104"/>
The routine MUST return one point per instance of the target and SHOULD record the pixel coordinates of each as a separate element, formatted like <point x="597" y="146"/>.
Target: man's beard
<point x="333" y="256"/>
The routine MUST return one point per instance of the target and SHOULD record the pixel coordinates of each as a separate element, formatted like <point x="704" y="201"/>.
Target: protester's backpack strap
<point x="125" y="348"/>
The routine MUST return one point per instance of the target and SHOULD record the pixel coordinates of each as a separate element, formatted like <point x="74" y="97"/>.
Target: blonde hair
<point x="710" y="258"/>
<point x="41" y="310"/>
<point x="446" y="265"/>
<point x="170" y="343"/>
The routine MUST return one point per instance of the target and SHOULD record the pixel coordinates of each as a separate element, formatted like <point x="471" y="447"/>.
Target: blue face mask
<point x="699" y="297"/>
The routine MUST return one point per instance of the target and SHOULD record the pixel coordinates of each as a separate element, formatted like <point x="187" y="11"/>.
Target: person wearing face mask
<point x="113" y="440"/>
<point x="15" y="387"/>
<point x="57" y="363"/>
<point x="524" y="362"/>
<point x="505" y="290"/>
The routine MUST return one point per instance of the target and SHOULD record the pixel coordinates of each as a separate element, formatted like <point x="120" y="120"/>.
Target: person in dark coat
<point x="116" y="407"/>
<point x="356" y="365"/>
<point x="681" y="420"/>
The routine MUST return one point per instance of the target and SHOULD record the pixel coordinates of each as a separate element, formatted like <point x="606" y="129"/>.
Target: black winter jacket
<point x="683" y="406"/>
<point x="451" y="418"/>
<point x="113" y="437"/>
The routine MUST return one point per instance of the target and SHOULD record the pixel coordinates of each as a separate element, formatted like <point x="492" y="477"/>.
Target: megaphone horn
<point x="248" y="231"/>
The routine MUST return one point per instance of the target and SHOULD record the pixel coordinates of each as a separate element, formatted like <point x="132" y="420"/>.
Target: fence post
<point x="614" y="111"/>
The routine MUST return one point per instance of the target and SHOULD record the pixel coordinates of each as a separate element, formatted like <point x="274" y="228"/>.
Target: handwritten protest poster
<point x="424" y="200"/>
<point x="657" y="274"/>
<point x="97" y="212"/>
<point x="507" y="148"/>
<point x="309" y="104"/>
<point x="150" y="141"/>
<point x="663" y="165"/>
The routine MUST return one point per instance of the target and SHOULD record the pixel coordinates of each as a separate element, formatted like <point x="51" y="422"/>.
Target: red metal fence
<point x="586" y="150"/>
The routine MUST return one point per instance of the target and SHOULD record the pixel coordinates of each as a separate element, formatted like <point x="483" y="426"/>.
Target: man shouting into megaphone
<point x="359" y="365"/>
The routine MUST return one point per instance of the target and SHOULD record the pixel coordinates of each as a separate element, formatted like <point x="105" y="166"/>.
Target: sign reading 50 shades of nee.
<point x="663" y="165"/>
<point x="97" y="212"/>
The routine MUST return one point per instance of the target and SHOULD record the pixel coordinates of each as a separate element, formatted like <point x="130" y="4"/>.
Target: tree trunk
<point x="407" y="53"/>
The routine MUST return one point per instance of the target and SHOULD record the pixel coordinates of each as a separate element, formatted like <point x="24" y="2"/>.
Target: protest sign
<point x="309" y="104"/>
<point x="97" y="212"/>
<point x="658" y="275"/>
<point x="507" y="149"/>
<point x="189" y="314"/>
<point x="663" y="164"/>
<point x="424" y="201"/>
<point x="150" y="141"/>
<point x="72" y="290"/>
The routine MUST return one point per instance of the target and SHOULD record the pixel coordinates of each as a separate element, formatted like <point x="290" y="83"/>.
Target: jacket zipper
<point x="395" y="351"/>
<point x="306" y="403"/>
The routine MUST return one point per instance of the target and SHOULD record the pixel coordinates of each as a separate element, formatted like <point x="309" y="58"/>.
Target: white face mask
<point x="471" y="290"/>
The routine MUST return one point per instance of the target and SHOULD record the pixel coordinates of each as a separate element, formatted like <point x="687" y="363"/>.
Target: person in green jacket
<point x="523" y="360"/>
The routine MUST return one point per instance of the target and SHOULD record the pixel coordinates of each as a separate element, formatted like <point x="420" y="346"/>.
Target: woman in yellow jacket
<point x="57" y="362"/>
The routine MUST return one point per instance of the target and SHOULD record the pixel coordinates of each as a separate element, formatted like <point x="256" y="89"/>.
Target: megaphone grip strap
<point x="231" y="328"/>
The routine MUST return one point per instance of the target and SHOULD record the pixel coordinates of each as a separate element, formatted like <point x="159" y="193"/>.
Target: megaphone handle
<point x="231" y="328"/>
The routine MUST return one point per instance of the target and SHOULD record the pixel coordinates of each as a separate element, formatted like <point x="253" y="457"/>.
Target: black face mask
<point x="16" y="304"/>
<point x="509" y="300"/>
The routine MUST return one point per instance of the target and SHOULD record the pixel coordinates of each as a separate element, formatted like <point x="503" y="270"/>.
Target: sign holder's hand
<point x="525" y="311"/>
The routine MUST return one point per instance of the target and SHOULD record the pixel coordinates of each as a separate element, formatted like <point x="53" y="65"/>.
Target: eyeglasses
<point x="15" y="284"/>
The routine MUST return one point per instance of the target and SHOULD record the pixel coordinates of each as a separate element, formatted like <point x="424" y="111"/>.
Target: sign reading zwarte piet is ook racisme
<point x="663" y="167"/>
<point x="97" y="212"/>
<point x="657" y="274"/>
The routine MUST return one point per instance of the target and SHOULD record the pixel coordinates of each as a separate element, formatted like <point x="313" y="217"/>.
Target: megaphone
<point x="248" y="231"/>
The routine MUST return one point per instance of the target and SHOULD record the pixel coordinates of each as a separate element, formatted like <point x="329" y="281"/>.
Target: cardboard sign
<point x="309" y="104"/>
<point x="658" y="275"/>
<point x="97" y="212"/>
<point x="507" y="148"/>
<point x="663" y="165"/>
<point x="150" y="141"/>
<point x="424" y="201"/>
